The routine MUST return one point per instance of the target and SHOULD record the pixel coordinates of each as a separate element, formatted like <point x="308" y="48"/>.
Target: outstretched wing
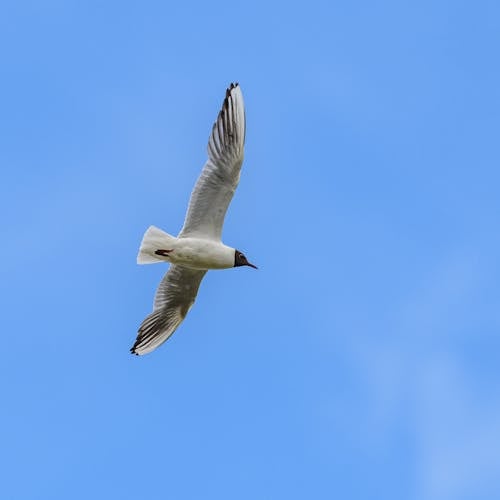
<point x="174" y="297"/>
<point x="220" y="175"/>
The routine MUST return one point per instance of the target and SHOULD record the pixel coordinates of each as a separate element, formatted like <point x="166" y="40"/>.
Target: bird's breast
<point x="200" y="253"/>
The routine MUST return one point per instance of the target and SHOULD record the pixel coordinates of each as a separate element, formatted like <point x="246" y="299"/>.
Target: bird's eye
<point x="242" y="257"/>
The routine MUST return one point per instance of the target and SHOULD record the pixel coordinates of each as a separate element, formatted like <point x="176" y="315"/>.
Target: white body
<point x="195" y="253"/>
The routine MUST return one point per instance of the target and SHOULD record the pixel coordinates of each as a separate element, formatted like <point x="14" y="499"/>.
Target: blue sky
<point x="361" y="359"/>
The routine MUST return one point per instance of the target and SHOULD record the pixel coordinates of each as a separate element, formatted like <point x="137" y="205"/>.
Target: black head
<point x="241" y="260"/>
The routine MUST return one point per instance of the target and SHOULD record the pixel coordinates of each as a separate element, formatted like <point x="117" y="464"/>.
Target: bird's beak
<point x="251" y="265"/>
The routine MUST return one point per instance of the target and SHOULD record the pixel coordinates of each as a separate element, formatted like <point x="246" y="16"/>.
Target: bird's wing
<point x="220" y="175"/>
<point x="174" y="297"/>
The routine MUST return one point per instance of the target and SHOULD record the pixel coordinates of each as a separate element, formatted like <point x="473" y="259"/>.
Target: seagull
<point x="198" y="247"/>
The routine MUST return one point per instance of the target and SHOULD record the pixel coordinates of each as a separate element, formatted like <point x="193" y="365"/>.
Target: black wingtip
<point x="225" y="104"/>
<point x="231" y="87"/>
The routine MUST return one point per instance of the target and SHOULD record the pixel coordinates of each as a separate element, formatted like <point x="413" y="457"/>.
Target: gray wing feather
<point x="175" y="296"/>
<point x="219" y="178"/>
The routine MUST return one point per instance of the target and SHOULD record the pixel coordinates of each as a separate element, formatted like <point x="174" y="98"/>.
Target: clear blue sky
<point x="361" y="360"/>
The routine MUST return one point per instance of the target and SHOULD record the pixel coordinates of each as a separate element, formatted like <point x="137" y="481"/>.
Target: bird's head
<point x="241" y="260"/>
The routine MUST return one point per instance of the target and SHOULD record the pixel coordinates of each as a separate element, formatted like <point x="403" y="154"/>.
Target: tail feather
<point x="154" y="239"/>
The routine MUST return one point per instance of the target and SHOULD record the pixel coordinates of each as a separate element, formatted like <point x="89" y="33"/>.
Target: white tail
<point x="154" y="239"/>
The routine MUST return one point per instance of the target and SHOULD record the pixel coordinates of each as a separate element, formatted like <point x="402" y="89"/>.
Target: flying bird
<point x="198" y="247"/>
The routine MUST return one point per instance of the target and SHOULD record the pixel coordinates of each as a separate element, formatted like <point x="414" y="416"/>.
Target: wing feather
<point x="219" y="178"/>
<point x="175" y="296"/>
